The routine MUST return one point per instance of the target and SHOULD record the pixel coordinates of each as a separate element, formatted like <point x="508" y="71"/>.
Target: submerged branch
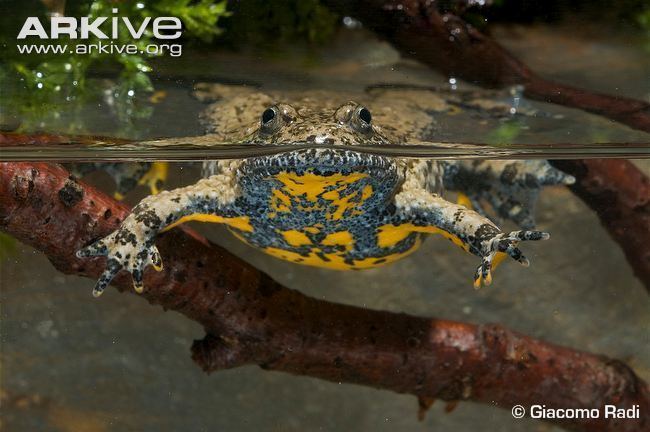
<point x="619" y="193"/>
<point x="251" y="319"/>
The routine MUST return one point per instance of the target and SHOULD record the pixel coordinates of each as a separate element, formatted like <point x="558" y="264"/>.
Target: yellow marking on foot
<point x="478" y="283"/>
<point x="464" y="201"/>
<point x="312" y="229"/>
<point x="118" y="196"/>
<point x="296" y="238"/>
<point x="156" y="175"/>
<point x="241" y="223"/>
<point x="498" y="259"/>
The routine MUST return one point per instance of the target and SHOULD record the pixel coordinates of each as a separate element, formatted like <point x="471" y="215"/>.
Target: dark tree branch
<point x="619" y="193"/>
<point x="447" y="43"/>
<point x="251" y="319"/>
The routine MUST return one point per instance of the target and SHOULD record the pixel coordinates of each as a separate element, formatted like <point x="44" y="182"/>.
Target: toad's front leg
<point x="131" y="246"/>
<point x="425" y="212"/>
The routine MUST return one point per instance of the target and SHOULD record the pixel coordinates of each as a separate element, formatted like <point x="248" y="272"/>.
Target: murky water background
<point x="71" y="363"/>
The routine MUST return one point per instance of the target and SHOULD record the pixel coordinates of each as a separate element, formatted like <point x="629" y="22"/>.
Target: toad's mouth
<point x="323" y="161"/>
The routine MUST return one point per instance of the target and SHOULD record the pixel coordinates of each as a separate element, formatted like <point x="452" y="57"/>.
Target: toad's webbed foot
<point x="129" y="248"/>
<point x="504" y="243"/>
<point x="511" y="188"/>
<point x="425" y="212"/>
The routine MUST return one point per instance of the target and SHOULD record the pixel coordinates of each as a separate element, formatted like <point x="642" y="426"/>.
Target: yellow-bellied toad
<point x="325" y="205"/>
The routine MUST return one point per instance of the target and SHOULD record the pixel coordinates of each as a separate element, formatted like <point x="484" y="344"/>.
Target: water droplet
<point x="130" y="93"/>
<point x="39" y="75"/>
<point x="139" y="5"/>
<point x="351" y="23"/>
<point x="39" y="85"/>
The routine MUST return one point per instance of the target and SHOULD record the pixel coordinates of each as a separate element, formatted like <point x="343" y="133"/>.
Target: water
<point x="70" y="362"/>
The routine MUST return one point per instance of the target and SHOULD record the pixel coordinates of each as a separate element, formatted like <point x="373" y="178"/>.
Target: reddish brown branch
<point x="450" y="45"/>
<point x="631" y="112"/>
<point x="620" y="194"/>
<point x="250" y="319"/>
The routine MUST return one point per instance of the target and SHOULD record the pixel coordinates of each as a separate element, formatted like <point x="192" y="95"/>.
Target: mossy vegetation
<point x="36" y="84"/>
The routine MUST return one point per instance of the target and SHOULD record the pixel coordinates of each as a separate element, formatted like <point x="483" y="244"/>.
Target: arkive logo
<point x="101" y="27"/>
<point x="107" y="35"/>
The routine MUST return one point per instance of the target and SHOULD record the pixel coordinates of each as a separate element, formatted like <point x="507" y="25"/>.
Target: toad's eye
<point x="356" y="116"/>
<point x="275" y="117"/>
<point x="268" y="116"/>
<point x="360" y="120"/>
<point x="365" y="115"/>
<point x="271" y="120"/>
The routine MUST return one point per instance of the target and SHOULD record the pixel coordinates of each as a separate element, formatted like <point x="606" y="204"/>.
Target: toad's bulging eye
<point x="365" y="115"/>
<point x="355" y="116"/>
<point x="275" y="117"/>
<point x="268" y="115"/>
<point x="271" y="120"/>
<point x="361" y="119"/>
